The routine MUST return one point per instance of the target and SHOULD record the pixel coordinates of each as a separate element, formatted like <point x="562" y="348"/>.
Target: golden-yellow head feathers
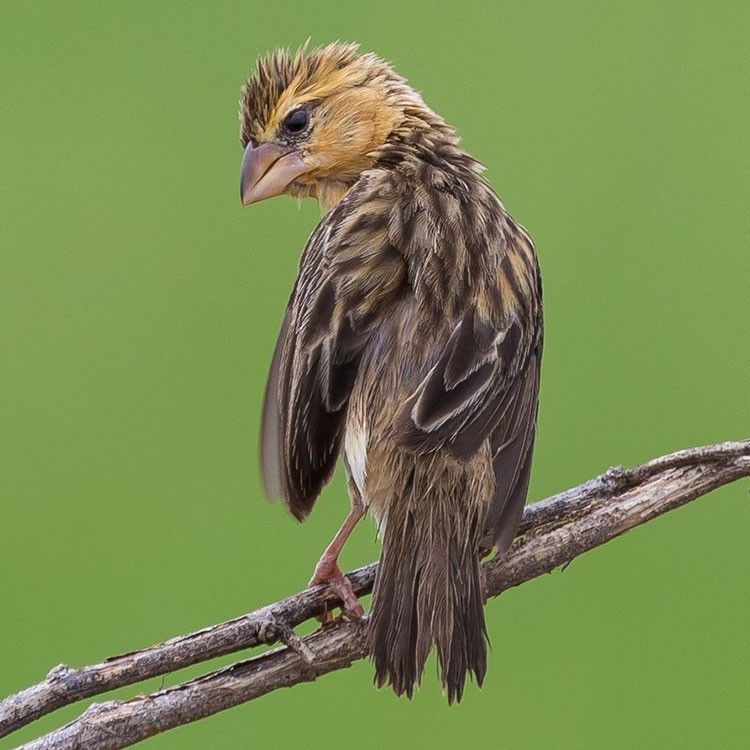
<point x="334" y="109"/>
<point x="283" y="80"/>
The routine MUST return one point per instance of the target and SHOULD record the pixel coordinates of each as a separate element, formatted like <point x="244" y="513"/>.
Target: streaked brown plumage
<point x="411" y="346"/>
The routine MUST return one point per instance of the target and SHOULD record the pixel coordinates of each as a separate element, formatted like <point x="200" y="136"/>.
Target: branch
<point x="553" y="532"/>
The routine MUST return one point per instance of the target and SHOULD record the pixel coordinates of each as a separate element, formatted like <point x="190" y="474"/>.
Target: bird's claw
<point x="341" y="585"/>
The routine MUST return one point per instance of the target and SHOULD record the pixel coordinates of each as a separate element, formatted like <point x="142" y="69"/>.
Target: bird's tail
<point x="428" y="592"/>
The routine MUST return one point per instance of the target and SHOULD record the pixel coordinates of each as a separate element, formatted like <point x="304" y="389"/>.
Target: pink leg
<point x="328" y="571"/>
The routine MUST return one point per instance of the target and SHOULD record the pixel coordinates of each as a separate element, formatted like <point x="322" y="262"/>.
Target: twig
<point x="265" y="626"/>
<point x="554" y="532"/>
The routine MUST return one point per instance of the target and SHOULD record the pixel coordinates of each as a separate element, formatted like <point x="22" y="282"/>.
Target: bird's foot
<point x="328" y="571"/>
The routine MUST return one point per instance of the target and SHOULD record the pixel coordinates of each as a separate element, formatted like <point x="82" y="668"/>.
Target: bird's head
<point x="312" y="122"/>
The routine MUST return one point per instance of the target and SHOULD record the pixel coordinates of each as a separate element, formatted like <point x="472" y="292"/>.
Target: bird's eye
<point x="296" y="121"/>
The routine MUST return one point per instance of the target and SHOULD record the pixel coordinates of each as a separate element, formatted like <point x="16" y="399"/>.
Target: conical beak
<point x="267" y="170"/>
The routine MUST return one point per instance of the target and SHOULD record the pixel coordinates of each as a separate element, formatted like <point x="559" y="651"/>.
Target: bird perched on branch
<point x="410" y="347"/>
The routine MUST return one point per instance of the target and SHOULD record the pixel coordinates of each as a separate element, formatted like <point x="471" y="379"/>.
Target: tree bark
<point x="552" y="533"/>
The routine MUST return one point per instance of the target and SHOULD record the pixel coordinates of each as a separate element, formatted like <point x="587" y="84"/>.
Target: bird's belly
<point x="356" y="438"/>
<point x="381" y="468"/>
<point x="389" y="373"/>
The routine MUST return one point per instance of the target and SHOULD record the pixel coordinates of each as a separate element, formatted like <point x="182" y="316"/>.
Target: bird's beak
<point x="267" y="170"/>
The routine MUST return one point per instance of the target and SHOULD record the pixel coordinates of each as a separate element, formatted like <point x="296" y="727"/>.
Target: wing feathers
<point x="336" y="305"/>
<point x="461" y="401"/>
<point x="271" y="470"/>
<point x="482" y="380"/>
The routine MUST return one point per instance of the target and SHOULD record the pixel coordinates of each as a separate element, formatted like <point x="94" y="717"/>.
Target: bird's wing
<point x="343" y="285"/>
<point x="512" y="443"/>
<point x="483" y="386"/>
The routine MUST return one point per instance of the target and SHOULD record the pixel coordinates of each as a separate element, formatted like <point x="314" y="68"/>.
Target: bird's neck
<point x="418" y="140"/>
<point x="329" y="192"/>
<point x="426" y="141"/>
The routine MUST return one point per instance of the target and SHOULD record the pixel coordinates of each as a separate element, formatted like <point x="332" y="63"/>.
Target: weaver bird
<point x="410" y="347"/>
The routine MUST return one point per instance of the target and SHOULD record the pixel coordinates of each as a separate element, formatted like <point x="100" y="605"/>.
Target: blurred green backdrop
<point x="139" y="306"/>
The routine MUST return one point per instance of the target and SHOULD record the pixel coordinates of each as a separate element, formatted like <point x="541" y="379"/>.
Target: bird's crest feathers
<point x="283" y="79"/>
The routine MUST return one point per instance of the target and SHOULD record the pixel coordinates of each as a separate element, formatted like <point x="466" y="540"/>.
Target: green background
<point x="139" y="305"/>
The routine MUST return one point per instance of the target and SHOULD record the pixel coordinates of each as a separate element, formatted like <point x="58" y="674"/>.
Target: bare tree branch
<point x="553" y="532"/>
<point x="265" y="626"/>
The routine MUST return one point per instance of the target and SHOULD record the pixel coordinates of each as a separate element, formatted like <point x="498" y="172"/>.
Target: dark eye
<point x="296" y="121"/>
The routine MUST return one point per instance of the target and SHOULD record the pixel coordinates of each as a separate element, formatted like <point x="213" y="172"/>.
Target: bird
<point x="410" y="348"/>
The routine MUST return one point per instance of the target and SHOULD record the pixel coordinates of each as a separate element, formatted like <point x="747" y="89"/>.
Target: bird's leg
<point x="328" y="571"/>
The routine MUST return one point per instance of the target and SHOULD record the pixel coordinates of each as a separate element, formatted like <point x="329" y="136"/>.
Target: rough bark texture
<point x="553" y="532"/>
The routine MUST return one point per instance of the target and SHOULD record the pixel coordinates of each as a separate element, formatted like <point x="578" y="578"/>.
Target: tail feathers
<point x="427" y="592"/>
